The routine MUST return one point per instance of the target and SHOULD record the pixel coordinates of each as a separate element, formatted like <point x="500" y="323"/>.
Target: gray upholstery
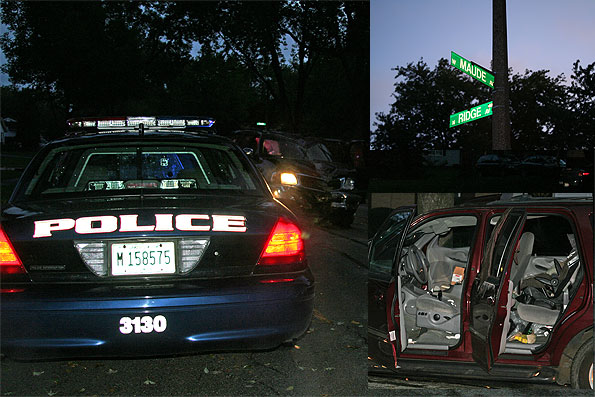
<point x="541" y="264"/>
<point x="440" y="277"/>
<point x="443" y="260"/>
<point x="537" y="314"/>
<point x="436" y="314"/>
<point x="432" y="304"/>
<point x="522" y="257"/>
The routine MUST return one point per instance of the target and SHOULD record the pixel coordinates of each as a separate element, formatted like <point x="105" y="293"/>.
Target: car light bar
<point x="111" y="123"/>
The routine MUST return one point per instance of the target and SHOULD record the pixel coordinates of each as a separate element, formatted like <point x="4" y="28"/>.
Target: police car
<point x="141" y="236"/>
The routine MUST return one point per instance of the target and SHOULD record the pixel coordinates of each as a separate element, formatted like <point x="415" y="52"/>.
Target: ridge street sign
<point x="472" y="69"/>
<point x="474" y="113"/>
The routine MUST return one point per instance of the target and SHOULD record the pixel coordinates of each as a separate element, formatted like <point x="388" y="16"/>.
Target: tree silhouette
<point x="545" y="113"/>
<point x="240" y="62"/>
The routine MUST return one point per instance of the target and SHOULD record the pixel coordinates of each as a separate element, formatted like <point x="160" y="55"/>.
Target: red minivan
<point x="505" y="287"/>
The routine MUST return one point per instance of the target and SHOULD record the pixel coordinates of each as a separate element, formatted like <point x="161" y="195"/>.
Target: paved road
<point x="329" y="360"/>
<point x="391" y="386"/>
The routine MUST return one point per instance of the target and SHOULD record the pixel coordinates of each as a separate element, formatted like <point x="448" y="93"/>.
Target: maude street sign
<point x="472" y="69"/>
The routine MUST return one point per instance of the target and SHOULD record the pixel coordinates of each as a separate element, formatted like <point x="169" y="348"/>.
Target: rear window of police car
<point x="116" y="169"/>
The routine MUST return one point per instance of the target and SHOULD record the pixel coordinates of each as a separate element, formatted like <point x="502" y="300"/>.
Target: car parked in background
<point x="539" y="164"/>
<point x="295" y="179"/>
<point x="497" y="164"/>
<point x="504" y="287"/>
<point x="577" y="178"/>
<point x="145" y="236"/>
<point x="579" y="172"/>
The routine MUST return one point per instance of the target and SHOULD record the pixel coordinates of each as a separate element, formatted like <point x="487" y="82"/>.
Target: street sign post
<point x="474" y="113"/>
<point x="472" y="69"/>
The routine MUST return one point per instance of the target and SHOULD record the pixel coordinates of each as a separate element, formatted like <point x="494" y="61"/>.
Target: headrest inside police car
<point x="134" y="122"/>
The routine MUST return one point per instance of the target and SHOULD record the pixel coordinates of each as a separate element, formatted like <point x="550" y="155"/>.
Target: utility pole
<point x="501" y="112"/>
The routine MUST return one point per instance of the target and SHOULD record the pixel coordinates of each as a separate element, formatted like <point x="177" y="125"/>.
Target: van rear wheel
<point x="581" y="373"/>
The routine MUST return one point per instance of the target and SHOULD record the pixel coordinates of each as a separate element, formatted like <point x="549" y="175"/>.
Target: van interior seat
<point x="537" y="314"/>
<point x="443" y="261"/>
<point x="522" y="257"/>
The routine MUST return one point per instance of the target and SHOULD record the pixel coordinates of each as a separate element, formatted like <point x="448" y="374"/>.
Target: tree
<point x="582" y="106"/>
<point x="424" y="100"/>
<point x="282" y="44"/>
<point x="545" y="113"/>
<point x="76" y="53"/>
<point x="255" y="61"/>
<point x="539" y="106"/>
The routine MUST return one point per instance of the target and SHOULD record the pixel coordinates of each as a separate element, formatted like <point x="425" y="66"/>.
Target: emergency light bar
<point x="134" y="122"/>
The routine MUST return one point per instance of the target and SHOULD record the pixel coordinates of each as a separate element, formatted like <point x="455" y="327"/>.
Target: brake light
<point x="277" y="280"/>
<point x="285" y="245"/>
<point x="584" y="174"/>
<point x="9" y="260"/>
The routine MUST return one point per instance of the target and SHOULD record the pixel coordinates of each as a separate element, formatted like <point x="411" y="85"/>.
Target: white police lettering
<point x="45" y="228"/>
<point x="229" y="223"/>
<point x="96" y="224"/>
<point x="184" y="222"/>
<point x="129" y="223"/>
<point x="164" y="222"/>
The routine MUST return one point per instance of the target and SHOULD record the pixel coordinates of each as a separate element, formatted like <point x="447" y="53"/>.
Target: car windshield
<point x="319" y="152"/>
<point x="120" y="169"/>
<point x="283" y="148"/>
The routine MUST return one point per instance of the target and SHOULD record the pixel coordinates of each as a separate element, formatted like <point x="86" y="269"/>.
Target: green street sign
<point x="475" y="113"/>
<point x="472" y="69"/>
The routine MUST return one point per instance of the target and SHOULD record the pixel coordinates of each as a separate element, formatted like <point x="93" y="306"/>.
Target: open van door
<point x="491" y="291"/>
<point x="384" y="254"/>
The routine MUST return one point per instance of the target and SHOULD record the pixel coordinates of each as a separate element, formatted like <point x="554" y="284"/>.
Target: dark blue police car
<point x="148" y="236"/>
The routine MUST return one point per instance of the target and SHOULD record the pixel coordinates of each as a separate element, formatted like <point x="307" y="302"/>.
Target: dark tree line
<point x="299" y="66"/>
<point x="546" y="113"/>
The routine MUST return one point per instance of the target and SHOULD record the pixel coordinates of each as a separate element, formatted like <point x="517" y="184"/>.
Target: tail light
<point x="583" y="174"/>
<point x="284" y="246"/>
<point x="9" y="260"/>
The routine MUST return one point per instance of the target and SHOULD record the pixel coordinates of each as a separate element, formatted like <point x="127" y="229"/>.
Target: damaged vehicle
<point x="148" y="236"/>
<point x="504" y="289"/>
<point x="295" y="179"/>
<point x="339" y="177"/>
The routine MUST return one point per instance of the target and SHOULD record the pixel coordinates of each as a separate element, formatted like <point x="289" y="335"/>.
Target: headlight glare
<point x="288" y="178"/>
<point x="347" y="183"/>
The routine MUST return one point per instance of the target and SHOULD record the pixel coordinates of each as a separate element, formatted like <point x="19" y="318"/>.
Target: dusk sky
<point x="542" y="34"/>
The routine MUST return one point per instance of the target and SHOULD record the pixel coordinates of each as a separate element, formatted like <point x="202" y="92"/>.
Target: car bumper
<point x="246" y="316"/>
<point x="318" y="202"/>
<point x="344" y="201"/>
<point x="570" y="182"/>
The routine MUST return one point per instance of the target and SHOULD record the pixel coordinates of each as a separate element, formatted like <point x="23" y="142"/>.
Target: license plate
<point x="143" y="258"/>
